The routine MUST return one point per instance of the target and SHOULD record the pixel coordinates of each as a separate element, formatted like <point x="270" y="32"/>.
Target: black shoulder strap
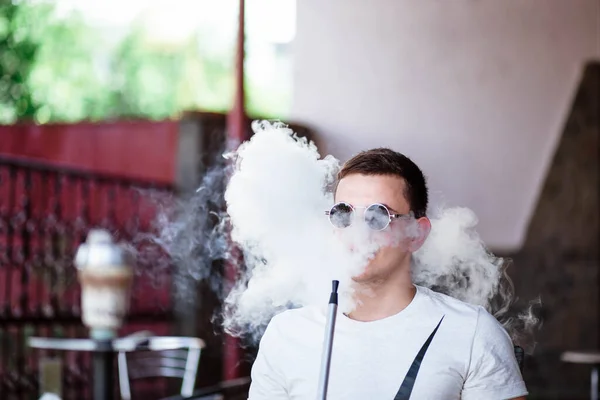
<point x="411" y="376"/>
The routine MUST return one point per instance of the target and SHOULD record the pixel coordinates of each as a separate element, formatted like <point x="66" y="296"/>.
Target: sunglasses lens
<point x="377" y="217"/>
<point x="341" y="215"/>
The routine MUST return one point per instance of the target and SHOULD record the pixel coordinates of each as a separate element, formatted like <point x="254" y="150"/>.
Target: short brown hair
<point x="383" y="161"/>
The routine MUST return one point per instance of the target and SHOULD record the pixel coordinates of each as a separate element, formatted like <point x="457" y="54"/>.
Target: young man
<point x="401" y="341"/>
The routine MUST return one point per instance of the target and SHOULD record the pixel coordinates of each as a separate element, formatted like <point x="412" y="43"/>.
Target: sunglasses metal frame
<point x="391" y="215"/>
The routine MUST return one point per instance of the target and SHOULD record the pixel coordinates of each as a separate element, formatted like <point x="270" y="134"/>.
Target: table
<point x="103" y="357"/>
<point x="586" y="357"/>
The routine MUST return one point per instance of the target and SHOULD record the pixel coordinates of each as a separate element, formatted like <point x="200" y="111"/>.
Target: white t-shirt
<point x="470" y="356"/>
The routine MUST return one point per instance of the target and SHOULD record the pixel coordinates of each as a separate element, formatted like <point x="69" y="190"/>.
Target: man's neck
<point x="382" y="299"/>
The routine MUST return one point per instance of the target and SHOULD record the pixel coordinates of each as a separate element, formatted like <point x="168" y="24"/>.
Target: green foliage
<point x="18" y="49"/>
<point x="67" y="80"/>
<point x="64" y="70"/>
<point x="159" y="81"/>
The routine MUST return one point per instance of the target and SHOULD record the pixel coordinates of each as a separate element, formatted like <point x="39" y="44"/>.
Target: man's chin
<point x="362" y="278"/>
<point x="366" y="274"/>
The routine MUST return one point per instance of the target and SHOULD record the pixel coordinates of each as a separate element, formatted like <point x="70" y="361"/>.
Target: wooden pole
<point x="237" y="122"/>
<point x="237" y="129"/>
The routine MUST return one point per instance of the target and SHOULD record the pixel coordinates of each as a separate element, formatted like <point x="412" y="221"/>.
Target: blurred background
<point x="108" y="106"/>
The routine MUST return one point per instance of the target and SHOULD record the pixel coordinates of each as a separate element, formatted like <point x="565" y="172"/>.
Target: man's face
<point x="395" y="245"/>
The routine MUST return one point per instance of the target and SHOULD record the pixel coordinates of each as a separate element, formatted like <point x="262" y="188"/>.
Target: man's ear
<point x="423" y="229"/>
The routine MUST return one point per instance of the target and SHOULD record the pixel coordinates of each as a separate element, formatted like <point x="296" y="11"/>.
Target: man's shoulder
<point x="449" y="305"/>
<point x="296" y="314"/>
<point x="296" y="318"/>
<point x="485" y="324"/>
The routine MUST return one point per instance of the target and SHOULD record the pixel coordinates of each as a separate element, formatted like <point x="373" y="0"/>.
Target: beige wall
<point x="475" y="91"/>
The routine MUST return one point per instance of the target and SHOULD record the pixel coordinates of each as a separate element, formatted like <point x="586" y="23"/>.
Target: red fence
<point x="143" y="150"/>
<point x="46" y="210"/>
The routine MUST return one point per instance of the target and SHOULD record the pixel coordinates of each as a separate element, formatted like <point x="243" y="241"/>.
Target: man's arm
<point x="493" y="370"/>
<point x="268" y="381"/>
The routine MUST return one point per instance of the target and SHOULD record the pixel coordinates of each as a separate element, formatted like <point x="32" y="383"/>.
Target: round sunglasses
<point x="377" y="216"/>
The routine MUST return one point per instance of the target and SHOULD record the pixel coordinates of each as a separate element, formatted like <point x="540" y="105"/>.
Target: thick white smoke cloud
<point x="454" y="259"/>
<point x="276" y="200"/>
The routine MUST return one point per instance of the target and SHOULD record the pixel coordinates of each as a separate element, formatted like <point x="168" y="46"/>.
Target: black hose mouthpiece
<point x="333" y="299"/>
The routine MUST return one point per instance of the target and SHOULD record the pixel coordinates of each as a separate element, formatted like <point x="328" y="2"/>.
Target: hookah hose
<point x="328" y="341"/>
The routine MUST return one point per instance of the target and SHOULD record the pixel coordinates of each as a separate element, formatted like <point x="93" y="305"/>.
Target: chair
<point x="591" y="358"/>
<point x="141" y="356"/>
